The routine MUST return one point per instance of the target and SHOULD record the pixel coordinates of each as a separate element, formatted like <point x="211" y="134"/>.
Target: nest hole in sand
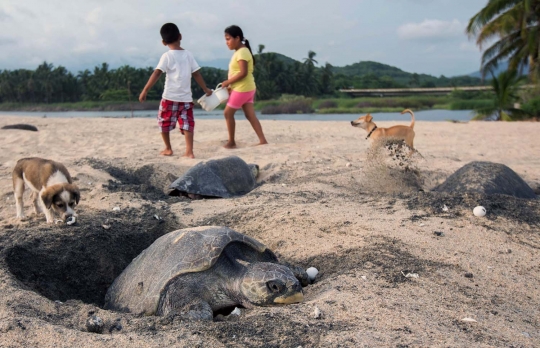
<point x="386" y="257"/>
<point x="80" y="262"/>
<point x="151" y="181"/>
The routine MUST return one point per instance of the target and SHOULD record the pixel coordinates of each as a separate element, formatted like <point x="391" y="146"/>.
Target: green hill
<point x="366" y="69"/>
<point x="366" y="73"/>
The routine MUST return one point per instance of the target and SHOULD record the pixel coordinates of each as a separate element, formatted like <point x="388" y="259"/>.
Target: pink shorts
<point x="238" y="99"/>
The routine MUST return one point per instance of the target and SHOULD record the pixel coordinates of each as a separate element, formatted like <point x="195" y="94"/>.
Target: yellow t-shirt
<point x="246" y="84"/>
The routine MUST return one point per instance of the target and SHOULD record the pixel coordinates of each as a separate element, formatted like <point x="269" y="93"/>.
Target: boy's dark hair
<point x="169" y="33"/>
<point x="235" y="31"/>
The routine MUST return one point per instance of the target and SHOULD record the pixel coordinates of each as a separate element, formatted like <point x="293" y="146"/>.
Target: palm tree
<point x="327" y="75"/>
<point x="516" y="25"/>
<point x="505" y="87"/>
<point x="310" y="60"/>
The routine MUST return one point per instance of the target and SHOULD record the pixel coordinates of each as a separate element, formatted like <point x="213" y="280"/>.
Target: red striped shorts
<point x="171" y="112"/>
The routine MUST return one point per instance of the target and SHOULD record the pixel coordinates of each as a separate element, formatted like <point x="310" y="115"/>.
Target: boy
<point x="177" y="102"/>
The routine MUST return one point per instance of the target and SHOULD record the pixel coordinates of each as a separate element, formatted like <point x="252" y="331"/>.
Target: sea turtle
<point x="195" y="272"/>
<point x="486" y="178"/>
<point x="226" y="177"/>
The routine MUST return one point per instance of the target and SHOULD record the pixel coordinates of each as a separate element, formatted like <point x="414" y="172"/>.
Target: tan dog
<point x="53" y="190"/>
<point x="405" y="133"/>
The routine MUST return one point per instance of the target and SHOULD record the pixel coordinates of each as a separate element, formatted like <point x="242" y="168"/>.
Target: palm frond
<point x="508" y="48"/>
<point x="488" y="13"/>
<point x="500" y="26"/>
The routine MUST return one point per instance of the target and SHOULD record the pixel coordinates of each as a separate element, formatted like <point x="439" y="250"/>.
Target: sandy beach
<point x="316" y="204"/>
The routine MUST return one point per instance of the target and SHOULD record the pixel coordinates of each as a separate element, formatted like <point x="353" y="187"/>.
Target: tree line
<point x="275" y="75"/>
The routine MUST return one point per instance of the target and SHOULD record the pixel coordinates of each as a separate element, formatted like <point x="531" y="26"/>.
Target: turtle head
<point x="266" y="284"/>
<point x="254" y="170"/>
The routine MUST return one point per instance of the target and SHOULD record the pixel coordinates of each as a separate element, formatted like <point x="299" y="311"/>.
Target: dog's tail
<point x="412" y="116"/>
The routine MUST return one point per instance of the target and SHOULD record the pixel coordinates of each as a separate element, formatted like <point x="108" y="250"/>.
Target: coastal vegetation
<point x="277" y="78"/>
<point x="512" y="29"/>
<point x="503" y="106"/>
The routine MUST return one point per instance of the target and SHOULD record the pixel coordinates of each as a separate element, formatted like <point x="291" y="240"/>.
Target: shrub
<point x="292" y="107"/>
<point x="471" y="104"/>
<point x="429" y="102"/>
<point x="532" y="106"/>
<point x="364" y="104"/>
<point x="271" y="110"/>
<point x="116" y="95"/>
<point x="328" y="104"/>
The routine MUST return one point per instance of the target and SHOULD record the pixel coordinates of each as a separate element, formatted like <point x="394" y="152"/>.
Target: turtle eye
<point x="275" y="286"/>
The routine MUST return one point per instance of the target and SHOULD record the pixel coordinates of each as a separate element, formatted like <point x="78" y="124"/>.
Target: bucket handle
<point x="218" y="86"/>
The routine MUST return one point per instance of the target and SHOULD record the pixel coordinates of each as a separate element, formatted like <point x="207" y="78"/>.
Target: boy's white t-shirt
<point x="178" y="65"/>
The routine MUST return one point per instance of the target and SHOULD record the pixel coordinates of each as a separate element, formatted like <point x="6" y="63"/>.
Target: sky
<point x="422" y="36"/>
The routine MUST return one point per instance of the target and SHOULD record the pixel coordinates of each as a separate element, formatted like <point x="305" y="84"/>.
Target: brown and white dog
<point x="53" y="190"/>
<point x="405" y="133"/>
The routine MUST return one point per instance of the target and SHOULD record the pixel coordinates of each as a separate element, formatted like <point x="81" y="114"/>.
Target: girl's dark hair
<point x="169" y="33"/>
<point x="235" y="31"/>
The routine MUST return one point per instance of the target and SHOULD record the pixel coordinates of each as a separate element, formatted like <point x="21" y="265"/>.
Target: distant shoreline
<point x="275" y="106"/>
<point x="80" y="106"/>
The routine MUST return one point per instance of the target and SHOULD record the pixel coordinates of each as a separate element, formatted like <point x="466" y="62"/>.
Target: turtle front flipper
<point x="196" y="309"/>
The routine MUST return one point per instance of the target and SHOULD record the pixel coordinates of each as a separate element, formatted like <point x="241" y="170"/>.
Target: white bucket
<point x="212" y="101"/>
<point x="222" y="93"/>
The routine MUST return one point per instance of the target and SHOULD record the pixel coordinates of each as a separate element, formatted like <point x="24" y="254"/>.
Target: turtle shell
<point x="226" y="177"/>
<point x="139" y="287"/>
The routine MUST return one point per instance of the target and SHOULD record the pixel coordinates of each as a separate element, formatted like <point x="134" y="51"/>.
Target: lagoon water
<point x="426" y="115"/>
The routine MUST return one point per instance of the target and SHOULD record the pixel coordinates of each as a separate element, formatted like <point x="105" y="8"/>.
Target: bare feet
<point x="166" y="152"/>
<point x="230" y="145"/>
<point x="188" y="155"/>
<point x="261" y="143"/>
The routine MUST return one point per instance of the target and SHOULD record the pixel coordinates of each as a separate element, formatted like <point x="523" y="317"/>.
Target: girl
<point x="241" y="84"/>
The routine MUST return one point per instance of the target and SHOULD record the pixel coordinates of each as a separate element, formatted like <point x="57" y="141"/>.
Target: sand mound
<point x="392" y="167"/>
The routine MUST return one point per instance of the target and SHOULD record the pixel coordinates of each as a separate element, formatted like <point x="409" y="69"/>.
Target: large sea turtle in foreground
<point x="195" y="272"/>
<point x="226" y="177"/>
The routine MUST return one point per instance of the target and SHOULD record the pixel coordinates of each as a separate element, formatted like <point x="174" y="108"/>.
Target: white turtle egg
<point x="479" y="211"/>
<point x="312" y="273"/>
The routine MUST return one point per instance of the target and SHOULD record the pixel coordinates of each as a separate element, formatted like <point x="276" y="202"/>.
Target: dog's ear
<point x="74" y="190"/>
<point x="369" y="118"/>
<point x="76" y="193"/>
<point x="47" y="197"/>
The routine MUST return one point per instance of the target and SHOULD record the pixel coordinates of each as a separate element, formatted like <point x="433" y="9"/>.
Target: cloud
<point x="94" y="17"/>
<point x="6" y="41"/>
<point x="4" y="16"/>
<point x="431" y="29"/>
